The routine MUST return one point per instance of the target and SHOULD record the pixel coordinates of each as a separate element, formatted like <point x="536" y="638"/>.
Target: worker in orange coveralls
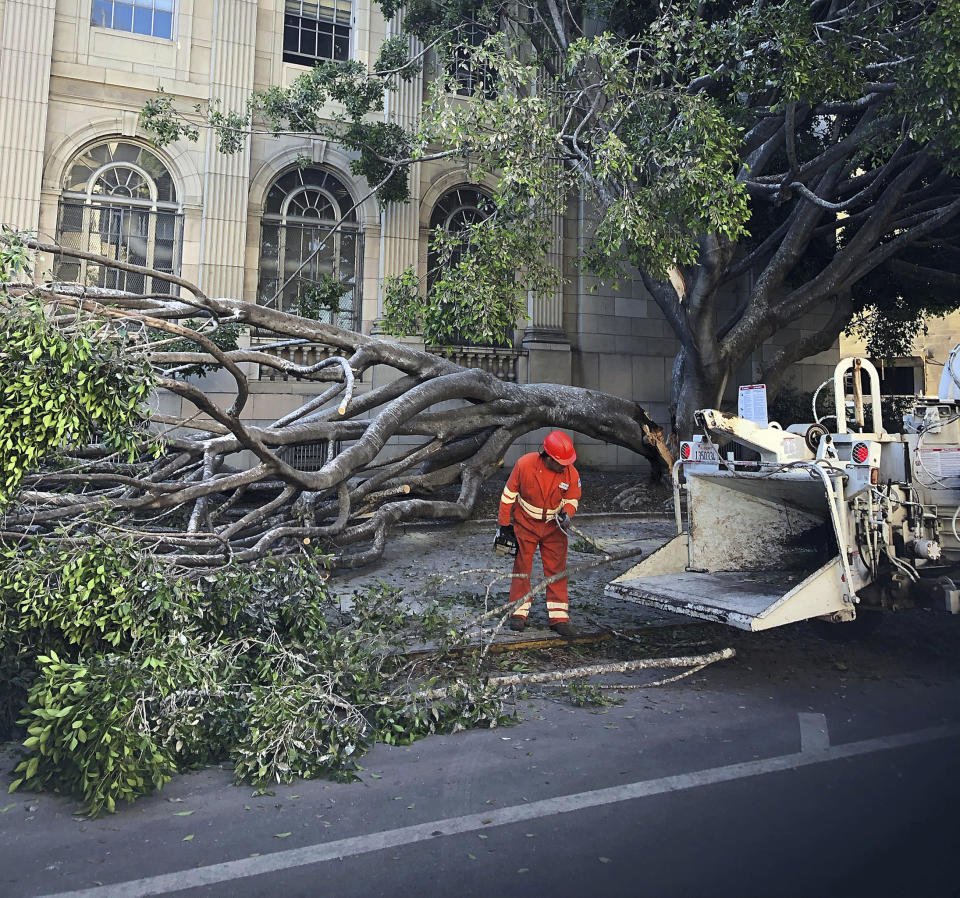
<point x="542" y="492"/>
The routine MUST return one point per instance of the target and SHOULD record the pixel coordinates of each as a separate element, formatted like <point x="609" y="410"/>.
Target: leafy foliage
<point x="134" y="673"/>
<point x="15" y="256"/>
<point x="889" y="333"/>
<point x="930" y="94"/>
<point x="476" y="293"/>
<point x="61" y="385"/>
<point x="584" y="694"/>
<point x="320" y="296"/>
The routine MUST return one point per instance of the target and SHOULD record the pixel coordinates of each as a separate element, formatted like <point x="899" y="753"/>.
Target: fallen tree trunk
<point x="435" y="425"/>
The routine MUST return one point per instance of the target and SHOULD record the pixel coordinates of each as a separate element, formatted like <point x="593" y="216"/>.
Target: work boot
<point x="564" y="628"/>
<point x="517" y="622"/>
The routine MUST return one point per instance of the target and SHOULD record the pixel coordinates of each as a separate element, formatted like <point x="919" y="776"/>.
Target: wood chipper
<point x="813" y="520"/>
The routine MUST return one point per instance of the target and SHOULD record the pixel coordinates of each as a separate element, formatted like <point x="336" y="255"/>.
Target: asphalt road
<point x="777" y="774"/>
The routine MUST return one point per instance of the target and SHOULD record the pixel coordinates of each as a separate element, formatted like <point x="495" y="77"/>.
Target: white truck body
<point x="825" y="524"/>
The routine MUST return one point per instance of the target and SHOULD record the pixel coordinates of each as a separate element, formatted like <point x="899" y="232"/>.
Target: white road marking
<point x="814" y="735"/>
<point x="564" y="804"/>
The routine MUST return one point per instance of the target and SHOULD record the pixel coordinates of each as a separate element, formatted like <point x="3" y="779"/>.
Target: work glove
<point x="562" y="518"/>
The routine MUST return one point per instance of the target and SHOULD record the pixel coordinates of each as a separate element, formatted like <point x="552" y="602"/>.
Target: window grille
<point x="454" y="213"/>
<point x="311" y="456"/>
<point x="470" y="75"/>
<point x="316" y="30"/>
<point x="302" y="248"/>
<point x="118" y="200"/>
<point x="148" y="17"/>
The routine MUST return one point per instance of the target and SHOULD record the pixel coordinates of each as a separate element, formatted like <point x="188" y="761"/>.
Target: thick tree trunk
<point x="694" y="386"/>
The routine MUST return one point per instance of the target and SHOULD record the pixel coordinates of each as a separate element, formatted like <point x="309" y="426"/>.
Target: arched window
<point x="455" y="211"/>
<point x="307" y="263"/>
<point x="118" y="200"/>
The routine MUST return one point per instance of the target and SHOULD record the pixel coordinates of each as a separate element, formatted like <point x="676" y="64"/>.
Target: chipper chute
<point x="819" y="524"/>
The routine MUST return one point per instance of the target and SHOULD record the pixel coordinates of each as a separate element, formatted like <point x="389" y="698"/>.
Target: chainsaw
<point x="505" y="542"/>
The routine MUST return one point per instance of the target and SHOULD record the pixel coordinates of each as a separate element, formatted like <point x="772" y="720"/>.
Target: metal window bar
<point x="311" y="456"/>
<point x="127" y="233"/>
<point x="469" y="74"/>
<point x="282" y="250"/>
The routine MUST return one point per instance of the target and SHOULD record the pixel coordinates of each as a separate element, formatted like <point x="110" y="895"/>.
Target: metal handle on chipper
<point x="839" y="395"/>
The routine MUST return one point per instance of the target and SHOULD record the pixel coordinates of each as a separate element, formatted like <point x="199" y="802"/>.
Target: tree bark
<point x="418" y="447"/>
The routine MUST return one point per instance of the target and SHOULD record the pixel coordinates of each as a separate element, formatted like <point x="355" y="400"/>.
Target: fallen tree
<point x="161" y="608"/>
<point x="170" y="486"/>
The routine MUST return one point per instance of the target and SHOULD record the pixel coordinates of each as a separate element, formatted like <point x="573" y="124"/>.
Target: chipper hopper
<point x="821" y="521"/>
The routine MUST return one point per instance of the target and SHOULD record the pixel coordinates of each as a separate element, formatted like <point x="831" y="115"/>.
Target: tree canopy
<point x="797" y="156"/>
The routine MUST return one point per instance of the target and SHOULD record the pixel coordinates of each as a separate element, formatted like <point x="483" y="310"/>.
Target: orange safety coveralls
<point x="534" y="495"/>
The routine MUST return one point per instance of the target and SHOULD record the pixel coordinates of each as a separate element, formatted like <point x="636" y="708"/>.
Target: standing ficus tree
<point x="749" y="162"/>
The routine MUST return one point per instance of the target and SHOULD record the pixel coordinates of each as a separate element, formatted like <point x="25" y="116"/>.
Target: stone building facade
<point x="75" y="165"/>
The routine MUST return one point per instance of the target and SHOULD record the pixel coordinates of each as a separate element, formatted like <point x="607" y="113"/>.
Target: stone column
<point x="26" y="51"/>
<point x="400" y="222"/>
<point x="227" y="177"/>
<point x="544" y="339"/>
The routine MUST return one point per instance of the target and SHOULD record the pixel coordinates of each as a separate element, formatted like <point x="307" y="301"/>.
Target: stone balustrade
<point x="503" y="362"/>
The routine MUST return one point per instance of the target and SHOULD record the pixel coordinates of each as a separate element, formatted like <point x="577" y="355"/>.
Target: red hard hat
<point x="560" y="448"/>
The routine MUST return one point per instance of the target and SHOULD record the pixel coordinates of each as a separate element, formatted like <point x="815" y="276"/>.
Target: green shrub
<point x="129" y="674"/>
<point x="89" y="733"/>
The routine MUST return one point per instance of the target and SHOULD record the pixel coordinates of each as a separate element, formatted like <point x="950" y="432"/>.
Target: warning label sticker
<point x="939" y="462"/>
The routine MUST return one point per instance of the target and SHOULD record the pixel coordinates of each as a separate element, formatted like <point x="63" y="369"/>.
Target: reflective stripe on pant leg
<point x="553" y="551"/>
<point x="522" y="564"/>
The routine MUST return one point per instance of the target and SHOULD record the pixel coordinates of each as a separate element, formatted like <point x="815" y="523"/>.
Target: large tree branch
<point x="923" y="274"/>
<point x="841" y="308"/>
